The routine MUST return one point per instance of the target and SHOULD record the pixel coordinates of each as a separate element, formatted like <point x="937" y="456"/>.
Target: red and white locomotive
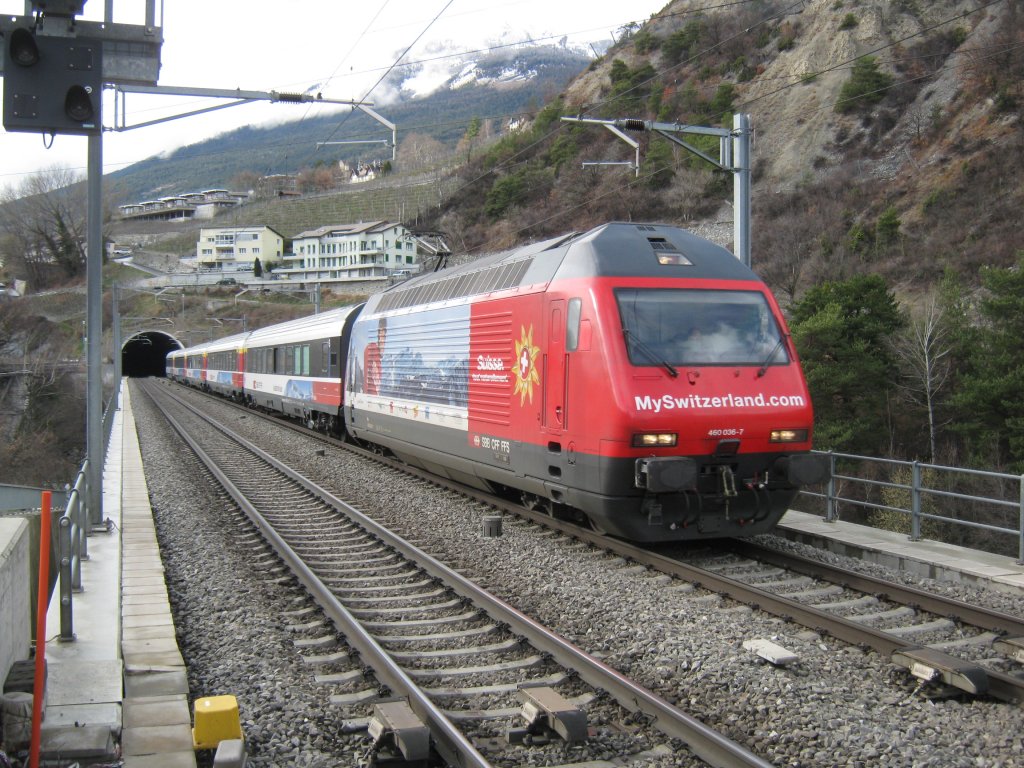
<point x="636" y="375"/>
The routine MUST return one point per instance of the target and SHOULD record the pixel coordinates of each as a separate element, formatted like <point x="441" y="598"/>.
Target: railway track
<point x="464" y="664"/>
<point x="935" y="638"/>
<point x="946" y="644"/>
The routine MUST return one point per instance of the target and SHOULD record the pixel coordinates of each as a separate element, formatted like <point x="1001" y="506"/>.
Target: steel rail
<point x="707" y="743"/>
<point x="943" y="606"/>
<point x="1002" y="686"/>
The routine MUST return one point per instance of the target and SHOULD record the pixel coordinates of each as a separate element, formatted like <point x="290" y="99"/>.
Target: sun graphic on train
<point x="525" y="368"/>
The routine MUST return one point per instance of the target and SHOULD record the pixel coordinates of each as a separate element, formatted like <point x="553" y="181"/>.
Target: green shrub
<point x="679" y="45"/>
<point x="721" y="102"/>
<point x="865" y="88"/>
<point x="564" y="149"/>
<point x="547" y="117"/>
<point x="887" y="228"/>
<point x="858" y="239"/>
<point x="935" y="198"/>
<point x="658" y="165"/>
<point x="504" y="193"/>
<point x="645" y="42"/>
<point x="631" y="87"/>
<point x="517" y="188"/>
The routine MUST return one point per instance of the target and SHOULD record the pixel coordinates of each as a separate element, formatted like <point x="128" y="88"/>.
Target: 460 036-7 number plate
<point x="726" y="432"/>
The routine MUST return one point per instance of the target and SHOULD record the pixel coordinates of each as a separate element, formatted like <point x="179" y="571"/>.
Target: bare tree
<point x="245" y="181"/>
<point x="419" y="150"/>
<point x="43" y="223"/>
<point x="788" y="244"/>
<point x="924" y="350"/>
<point x="319" y="179"/>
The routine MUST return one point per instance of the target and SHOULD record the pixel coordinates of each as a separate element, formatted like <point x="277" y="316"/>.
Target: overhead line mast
<point x="733" y="156"/>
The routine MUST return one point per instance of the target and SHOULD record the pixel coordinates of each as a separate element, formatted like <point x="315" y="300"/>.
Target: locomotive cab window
<point x="699" y="327"/>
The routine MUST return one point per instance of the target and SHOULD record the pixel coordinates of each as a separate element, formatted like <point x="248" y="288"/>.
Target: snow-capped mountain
<point x="497" y="66"/>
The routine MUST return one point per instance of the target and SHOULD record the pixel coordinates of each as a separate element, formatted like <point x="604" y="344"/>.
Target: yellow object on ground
<point x="216" y="719"/>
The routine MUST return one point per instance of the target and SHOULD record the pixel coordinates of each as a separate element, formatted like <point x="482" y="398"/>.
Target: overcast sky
<point x="340" y="48"/>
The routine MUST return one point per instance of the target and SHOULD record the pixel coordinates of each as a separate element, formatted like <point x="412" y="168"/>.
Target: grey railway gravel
<point x="837" y="706"/>
<point x="229" y="623"/>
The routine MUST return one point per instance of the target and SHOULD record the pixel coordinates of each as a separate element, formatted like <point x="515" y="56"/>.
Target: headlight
<point x="655" y="440"/>
<point x="788" y="436"/>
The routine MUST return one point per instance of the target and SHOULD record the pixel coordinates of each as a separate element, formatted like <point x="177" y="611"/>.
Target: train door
<point x="554" y="370"/>
<point x="555" y="416"/>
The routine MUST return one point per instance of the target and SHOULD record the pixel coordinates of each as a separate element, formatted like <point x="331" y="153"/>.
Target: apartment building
<point x="363" y="251"/>
<point x="231" y="249"/>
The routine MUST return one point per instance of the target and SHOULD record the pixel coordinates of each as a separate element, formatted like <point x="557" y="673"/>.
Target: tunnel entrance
<point x="144" y="353"/>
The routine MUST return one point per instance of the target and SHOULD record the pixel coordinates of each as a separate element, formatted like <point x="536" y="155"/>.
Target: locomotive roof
<point x="650" y="250"/>
<point x="618" y="249"/>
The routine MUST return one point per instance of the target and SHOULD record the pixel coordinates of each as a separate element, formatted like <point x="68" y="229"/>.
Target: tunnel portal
<point x="145" y="352"/>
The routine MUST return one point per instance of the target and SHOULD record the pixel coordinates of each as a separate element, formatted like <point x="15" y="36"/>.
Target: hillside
<point x="930" y="140"/>
<point x="928" y="137"/>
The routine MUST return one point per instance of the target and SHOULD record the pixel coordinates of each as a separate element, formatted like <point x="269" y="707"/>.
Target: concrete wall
<point x="15" y="593"/>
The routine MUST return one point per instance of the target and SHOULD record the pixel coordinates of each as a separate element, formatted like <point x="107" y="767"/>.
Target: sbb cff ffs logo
<point x="52" y="84"/>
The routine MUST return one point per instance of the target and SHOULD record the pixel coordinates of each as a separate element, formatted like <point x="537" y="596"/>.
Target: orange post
<point x="42" y="605"/>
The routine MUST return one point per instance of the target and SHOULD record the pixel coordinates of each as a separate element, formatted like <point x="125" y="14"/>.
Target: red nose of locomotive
<point x="714" y="429"/>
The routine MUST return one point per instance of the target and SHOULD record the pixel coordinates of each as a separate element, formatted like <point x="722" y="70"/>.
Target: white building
<point x="232" y="249"/>
<point x="191" y="205"/>
<point x="364" y="251"/>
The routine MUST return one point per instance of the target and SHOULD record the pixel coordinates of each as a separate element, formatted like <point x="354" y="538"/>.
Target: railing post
<point x="82" y="517"/>
<point x="915" y="502"/>
<point x="1020" y="541"/>
<point x="830" y="504"/>
<point x="67" y="631"/>
<point x="77" y="517"/>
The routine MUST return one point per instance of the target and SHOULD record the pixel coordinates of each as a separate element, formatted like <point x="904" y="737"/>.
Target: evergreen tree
<point x="990" y="397"/>
<point x="471" y="135"/>
<point x="257" y="268"/>
<point x="865" y="88"/>
<point x="842" y="331"/>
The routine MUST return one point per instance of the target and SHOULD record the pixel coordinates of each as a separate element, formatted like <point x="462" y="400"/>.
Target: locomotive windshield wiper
<point x="654" y="356"/>
<point x="764" y="366"/>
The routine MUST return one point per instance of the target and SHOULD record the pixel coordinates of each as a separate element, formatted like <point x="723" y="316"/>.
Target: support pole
<point x="94" y="329"/>
<point x="42" y="604"/>
<point x="115" y="314"/>
<point x="741" y="186"/>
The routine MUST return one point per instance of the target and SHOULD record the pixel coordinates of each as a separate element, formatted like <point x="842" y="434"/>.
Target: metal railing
<point x="908" y="488"/>
<point x="74" y="526"/>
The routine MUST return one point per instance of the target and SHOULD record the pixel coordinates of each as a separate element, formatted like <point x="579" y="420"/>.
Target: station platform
<point x="924" y="558"/>
<point x="120" y="690"/>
